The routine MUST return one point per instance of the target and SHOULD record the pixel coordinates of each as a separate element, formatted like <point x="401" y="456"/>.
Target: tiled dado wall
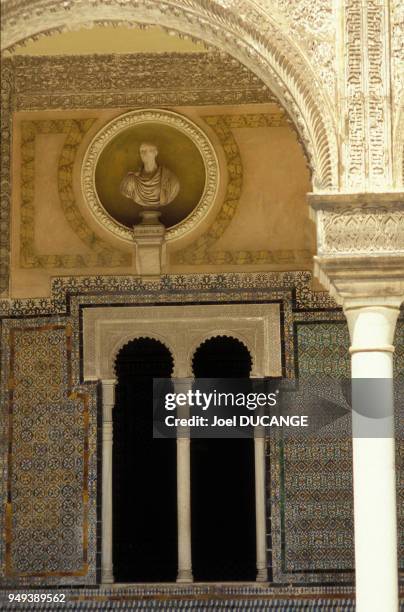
<point x="50" y="472"/>
<point x="50" y="519"/>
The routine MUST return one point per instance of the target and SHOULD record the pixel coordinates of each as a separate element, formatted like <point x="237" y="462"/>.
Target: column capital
<point x="182" y="378"/>
<point x="108" y="382"/>
<point x="362" y="280"/>
<point x="108" y="398"/>
<point x="371" y="324"/>
<point x="360" y="245"/>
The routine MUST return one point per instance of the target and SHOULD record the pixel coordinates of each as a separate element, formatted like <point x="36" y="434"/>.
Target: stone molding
<point x="181" y="329"/>
<point x="362" y="277"/>
<point x="165" y="118"/>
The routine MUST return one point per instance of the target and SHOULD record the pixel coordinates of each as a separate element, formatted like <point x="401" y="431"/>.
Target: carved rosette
<point x="165" y="118"/>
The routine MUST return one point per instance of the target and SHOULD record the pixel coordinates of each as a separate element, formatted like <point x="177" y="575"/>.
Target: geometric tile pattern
<point x="200" y="598"/>
<point x="311" y="476"/>
<point x="197" y="287"/>
<point x="311" y="479"/>
<point x="322" y="349"/>
<point x="398" y="361"/>
<point x="317" y="529"/>
<point x="51" y="422"/>
<point x="48" y="486"/>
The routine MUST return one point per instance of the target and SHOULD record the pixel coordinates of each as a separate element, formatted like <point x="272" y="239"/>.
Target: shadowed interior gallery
<point x="195" y="190"/>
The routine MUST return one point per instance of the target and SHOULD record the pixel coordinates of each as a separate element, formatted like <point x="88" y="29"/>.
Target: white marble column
<point x="184" y="494"/>
<point x="260" y="507"/>
<point x="184" y="510"/>
<point x="371" y="324"/>
<point x="108" y="400"/>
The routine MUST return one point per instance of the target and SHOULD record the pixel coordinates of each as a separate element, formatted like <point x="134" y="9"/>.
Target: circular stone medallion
<point x="182" y="148"/>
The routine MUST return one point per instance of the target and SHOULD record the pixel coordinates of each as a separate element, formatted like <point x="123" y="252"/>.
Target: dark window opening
<point x="144" y="471"/>
<point x="222" y="482"/>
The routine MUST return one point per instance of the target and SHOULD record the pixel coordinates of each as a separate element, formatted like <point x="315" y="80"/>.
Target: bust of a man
<point x="153" y="186"/>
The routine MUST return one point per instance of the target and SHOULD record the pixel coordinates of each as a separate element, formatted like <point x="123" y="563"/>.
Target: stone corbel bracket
<point x="360" y="241"/>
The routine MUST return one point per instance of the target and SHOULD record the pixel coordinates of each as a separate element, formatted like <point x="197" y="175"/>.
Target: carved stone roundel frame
<point x="164" y="117"/>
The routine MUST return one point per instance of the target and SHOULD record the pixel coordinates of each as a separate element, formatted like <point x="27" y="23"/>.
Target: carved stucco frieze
<point x="397" y="57"/>
<point x="366" y="111"/>
<point x="360" y="241"/>
<point x="125" y="80"/>
<point x="361" y="229"/>
<point x="313" y="31"/>
<point x="182" y="329"/>
<point x="7" y="91"/>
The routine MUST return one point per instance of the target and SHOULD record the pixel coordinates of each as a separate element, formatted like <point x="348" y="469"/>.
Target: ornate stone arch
<point x="130" y="337"/>
<point x="222" y="333"/>
<point x="240" y="28"/>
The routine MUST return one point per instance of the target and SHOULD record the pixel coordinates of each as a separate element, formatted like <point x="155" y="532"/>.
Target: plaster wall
<point x="54" y="232"/>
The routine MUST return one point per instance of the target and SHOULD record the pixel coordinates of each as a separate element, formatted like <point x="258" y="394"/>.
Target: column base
<point x="185" y="576"/>
<point x="262" y="575"/>
<point x="107" y="578"/>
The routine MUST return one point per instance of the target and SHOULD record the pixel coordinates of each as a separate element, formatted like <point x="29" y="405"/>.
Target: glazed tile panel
<point x="312" y="501"/>
<point x="47" y="511"/>
<point x="50" y="483"/>
<point x="311" y="475"/>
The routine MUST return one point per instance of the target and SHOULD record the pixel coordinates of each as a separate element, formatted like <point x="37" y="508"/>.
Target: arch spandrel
<point x="250" y="35"/>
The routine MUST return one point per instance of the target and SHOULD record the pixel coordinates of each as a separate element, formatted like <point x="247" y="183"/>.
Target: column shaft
<point x="372" y="329"/>
<point x="182" y="385"/>
<point x="260" y="507"/>
<point x="108" y="399"/>
<point x="184" y="510"/>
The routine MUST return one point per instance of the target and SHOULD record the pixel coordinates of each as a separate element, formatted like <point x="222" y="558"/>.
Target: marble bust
<point x="153" y="186"/>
